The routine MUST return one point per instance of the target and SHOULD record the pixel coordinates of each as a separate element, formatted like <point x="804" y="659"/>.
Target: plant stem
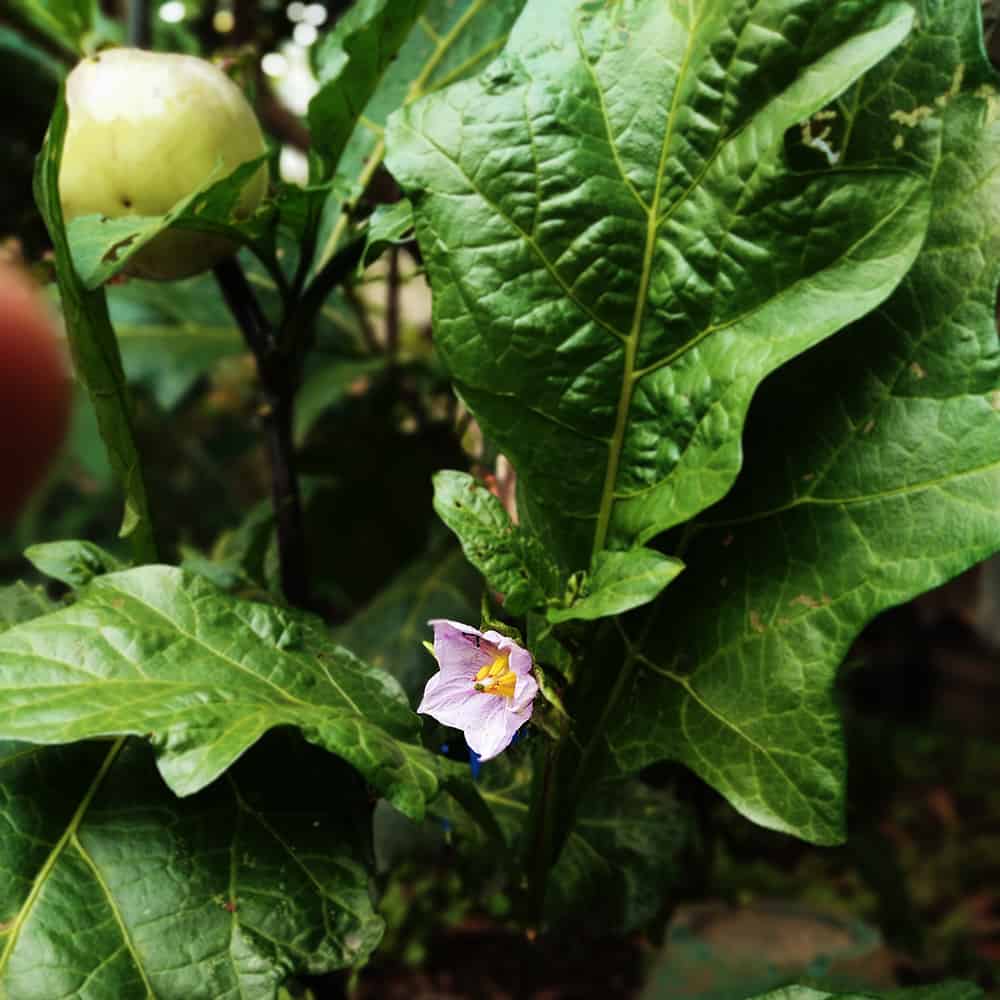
<point x="392" y="307"/>
<point x="556" y="824"/>
<point x="287" y="502"/>
<point x="140" y="28"/>
<point x="255" y="326"/>
<point x="542" y="842"/>
<point x="279" y="379"/>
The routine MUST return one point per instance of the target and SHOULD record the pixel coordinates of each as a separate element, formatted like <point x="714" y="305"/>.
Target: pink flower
<point x="483" y="687"/>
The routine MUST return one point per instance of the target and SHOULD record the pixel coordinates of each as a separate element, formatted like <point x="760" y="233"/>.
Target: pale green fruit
<point x="145" y="130"/>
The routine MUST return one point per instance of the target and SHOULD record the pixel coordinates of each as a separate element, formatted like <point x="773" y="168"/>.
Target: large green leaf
<point x="454" y="39"/>
<point x="872" y="474"/>
<point x="95" y="350"/>
<point x="113" y="889"/>
<point x="156" y="652"/>
<point x="620" y="251"/>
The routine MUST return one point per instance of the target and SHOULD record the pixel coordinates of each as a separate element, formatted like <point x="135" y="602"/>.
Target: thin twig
<point x="297" y="336"/>
<point x="279" y="379"/>
<point x="242" y="303"/>
<point x="368" y="334"/>
<point x="392" y="307"/>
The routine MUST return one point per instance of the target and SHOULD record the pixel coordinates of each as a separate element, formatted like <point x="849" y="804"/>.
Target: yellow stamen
<point x="497" y="677"/>
<point x="494" y="669"/>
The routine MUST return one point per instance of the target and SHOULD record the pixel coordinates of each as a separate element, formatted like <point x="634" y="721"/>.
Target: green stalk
<point x="557" y="810"/>
<point x="540" y="854"/>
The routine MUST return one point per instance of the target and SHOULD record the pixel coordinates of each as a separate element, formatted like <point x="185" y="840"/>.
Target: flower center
<point x="497" y="677"/>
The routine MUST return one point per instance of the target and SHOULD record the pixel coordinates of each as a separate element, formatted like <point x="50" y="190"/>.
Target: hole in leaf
<point x="112" y="253"/>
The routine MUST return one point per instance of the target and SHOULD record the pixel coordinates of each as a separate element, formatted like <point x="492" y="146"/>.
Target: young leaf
<point x="618" y="582"/>
<point x="620" y="251"/>
<point x="68" y="23"/>
<point x="886" y="482"/>
<point x="350" y="62"/>
<point x="113" y="888"/>
<point x="203" y="676"/>
<point x="20" y="603"/>
<point x="513" y="562"/>
<point x="101" y="247"/>
<point x="389" y="225"/>
<point x="95" y="350"/>
<point x="72" y="563"/>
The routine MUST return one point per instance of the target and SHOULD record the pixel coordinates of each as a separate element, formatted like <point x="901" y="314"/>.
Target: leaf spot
<point x="995" y="399"/>
<point x="869" y="427"/>
<point x="911" y="119"/>
<point x="755" y="623"/>
<point x="988" y="93"/>
<point x="918" y="370"/>
<point x="805" y="600"/>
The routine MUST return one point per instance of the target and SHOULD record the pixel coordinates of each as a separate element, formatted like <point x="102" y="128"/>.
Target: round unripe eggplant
<point x="145" y="130"/>
<point x="35" y="391"/>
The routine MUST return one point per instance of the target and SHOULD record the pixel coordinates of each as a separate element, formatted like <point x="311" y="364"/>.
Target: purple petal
<point x="524" y="694"/>
<point x="455" y="653"/>
<point x="476" y="712"/>
<point x="489" y="722"/>
<point x="445" y="696"/>
<point x="519" y="659"/>
<point x="496" y="731"/>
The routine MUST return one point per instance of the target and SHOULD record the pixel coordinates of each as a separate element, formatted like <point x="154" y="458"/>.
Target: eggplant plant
<point x="716" y="277"/>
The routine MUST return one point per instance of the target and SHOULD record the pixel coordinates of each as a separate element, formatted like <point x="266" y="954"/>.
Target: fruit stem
<point x="279" y="380"/>
<point x="140" y="28"/>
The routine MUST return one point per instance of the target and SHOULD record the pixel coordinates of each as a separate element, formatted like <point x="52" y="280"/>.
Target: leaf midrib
<point x="693" y="695"/>
<point x="54" y="855"/>
<point x="633" y="337"/>
<point x="809" y="500"/>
